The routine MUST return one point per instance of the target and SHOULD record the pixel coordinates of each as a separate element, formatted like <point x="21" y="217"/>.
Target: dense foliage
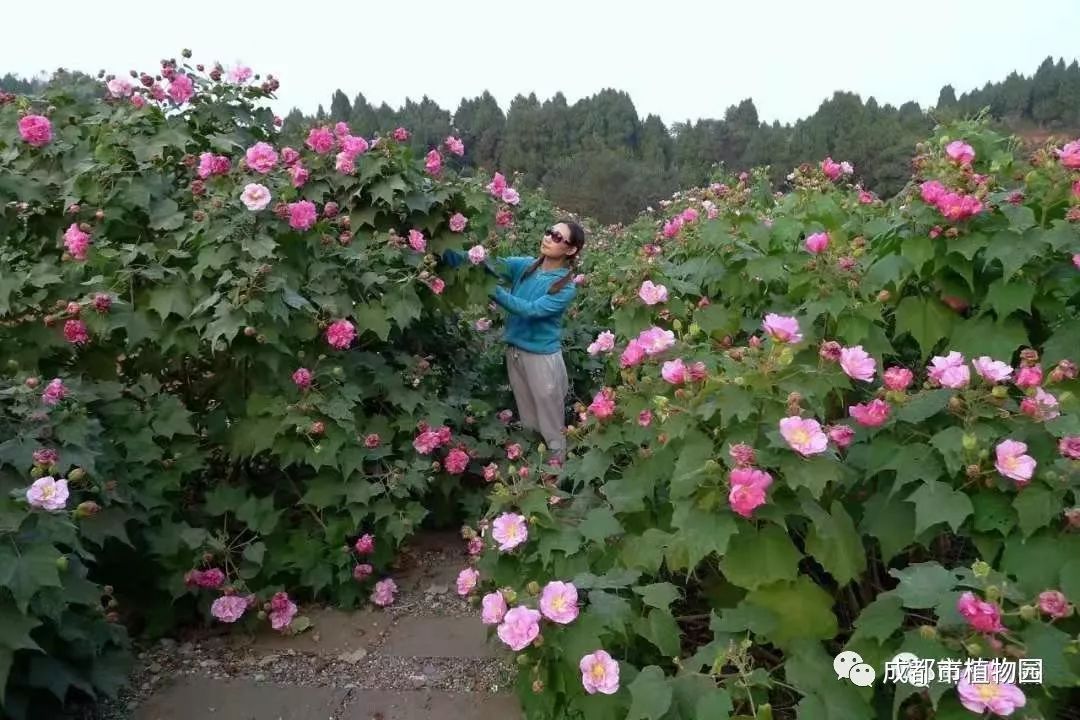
<point x="824" y="423"/>
<point x="234" y="374"/>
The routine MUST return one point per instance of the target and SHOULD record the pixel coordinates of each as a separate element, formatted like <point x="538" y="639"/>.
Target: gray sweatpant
<point x="540" y="387"/>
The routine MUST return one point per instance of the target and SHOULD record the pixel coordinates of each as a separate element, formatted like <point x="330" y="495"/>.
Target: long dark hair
<point x="576" y="239"/>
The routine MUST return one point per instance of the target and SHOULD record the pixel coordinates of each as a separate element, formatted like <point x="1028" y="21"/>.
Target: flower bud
<point x="969" y="441"/>
<point x="77" y="475"/>
<point x="972" y="471"/>
<point x="533" y="587"/>
<point x="87" y="508"/>
<point x="884" y="296"/>
<point x="993" y="593"/>
<point x="1000" y="392"/>
<point x="980" y="569"/>
<point x="1029" y="612"/>
<point x="522" y="660"/>
<point x="928" y="632"/>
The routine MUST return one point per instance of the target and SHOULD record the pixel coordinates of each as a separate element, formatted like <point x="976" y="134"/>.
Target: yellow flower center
<point x="1010" y="462"/>
<point x="48" y="491"/>
<point x="558" y="602"/>
<point x="987" y="692"/>
<point x="597" y="671"/>
<point x="801" y="437"/>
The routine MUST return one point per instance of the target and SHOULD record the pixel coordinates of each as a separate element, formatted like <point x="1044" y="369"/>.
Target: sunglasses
<point x="554" y="235"/>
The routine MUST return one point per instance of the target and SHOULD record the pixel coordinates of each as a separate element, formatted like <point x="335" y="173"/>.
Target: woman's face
<point x="556" y="243"/>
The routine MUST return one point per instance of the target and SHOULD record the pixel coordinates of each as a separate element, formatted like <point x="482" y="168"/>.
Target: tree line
<point x="598" y="157"/>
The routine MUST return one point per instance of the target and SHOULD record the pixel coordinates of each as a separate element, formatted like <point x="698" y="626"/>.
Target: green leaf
<point x="937" y="502"/>
<point x="110" y="522"/>
<point x="880" y="619"/>
<point x="1049" y="644"/>
<point x="594" y="465"/>
<point x="993" y="512"/>
<point x="949" y="442"/>
<point x="1070" y="580"/>
<point x="916" y="462"/>
<point x="813" y="473"/>
<point x="1021" y="217"/>
<point x="27" y="569"/>
<point x="922" y="585"/>
<point x="697" y="449"/>
<point x="324" y="491"/>
<point x="660" y="628"/>
<point x="384" y="189"/>
<point x="982" y="336"/>
<point x="701" y="533"/>
<point x="170" y="300"/>
<point x="803" y="609"/>
<point x="834" y="542"/>
<point x="919" y="250"/>
<point x="927" y="320"/>
<point x="1013" y="251"/>
<point x="658" y="595"/>
<point x="759" y="556"/>
<point x="171" y="417"/>
<point x="1036" y="506"/>
<point x="165" y="214"/>
<point x="645" y="551"/>
<point x="650" y="694"/>
<point x="891" y="521"/>
<point x="697" y="696"/>
<point x="371" y="316"/>
<point x="15" y="628"/>
<point x="1063" y="343"/>
<point x="1007" y="297"/>
<point x="924" y="405"/>
<point x="599" y="524"/>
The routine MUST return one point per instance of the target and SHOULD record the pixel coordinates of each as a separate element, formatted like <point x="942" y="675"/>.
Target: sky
<point x="677" y="59"/>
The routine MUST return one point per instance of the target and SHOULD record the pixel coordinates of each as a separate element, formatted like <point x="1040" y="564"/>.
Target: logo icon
<point x="849" y="665"/>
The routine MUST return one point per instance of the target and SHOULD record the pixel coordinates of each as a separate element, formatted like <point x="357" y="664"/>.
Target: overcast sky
<point x="678" y="59"/>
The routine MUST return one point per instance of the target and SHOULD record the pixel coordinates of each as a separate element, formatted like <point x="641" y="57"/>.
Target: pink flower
<point x="689" y="215"/>
<point x="603" y="404"/>
<point x="742" y="454"/>
<point x="157" y="92"/>
<point x="365" y="544"/>
<point x="1029" y="376"/>
<point x="483" y="325"/>
<point x="282" y="611"/>
<point x="983" y="616"/>
<point x="428" y="441"/>
<point x="48" y="493"/>
<point x="102" y="302"/>
<point x="497" y="186"/>
<point x="990" y="370"/>
<point x="872" y="414"/>
<point x="229" y="608"/>
<point x="384" y="592"/>
<point x="493" y="608"/>
<point x="477" y="254"/>
<point x="510" y="196"/>
<point x="1070" y="155"/>
<point x="509" y="530"/>
<point x="491" y="471"/>
<point x="372" y="441"/>
<point x="456" y="461"/>
<point x="76" y="241"/>
<point x="504" y="218"/>
<point x="211" y="579"/>
<point x="120" y="87"/>
<point x="46" y="457"/>
<point x="401" y="134"/>
<point x="697" y="371"/>
<point x="830" y="350"/>
<point x="475" y="546"/>
<point x="353" y="146"/>
<point x="817" y="243"/>
<point x="344" y="164"/>
<point x="1070" y="447"/>
<point x="857" y="364"/>
<point x="558" y="602"/>
<point x="865" y="198"/>
<point x="931" y="190"/>
<point x="599" y="673"/>
<point x="54" y="392"/>
<point x="138" y="101"/>
<point x="1042" y="406"/>
<point x="75" y="332"/>
<point x="433" y="162"/>
<point x="674" y="372"/>
<point x="261" y="157"/>
<point x="644" y="418"/>
<point x="748" y="486"/>
<point x="960" y="152"/>
<point x="846" y="263"/>
<point x="302" y="215"/>
<point x="804" y="436"/>
<point x="605" y="342"/>
<point x="211" y="164"/>
<point x="340" y="334"/>
<point x="898" y="379"/>
<point x="362" y="571"/>
<point x="654" y="340"/>
<point x="651" y="294"/>
<point x="998" y="698"/>
<point x="513" y="452"/>
<point x="181" y="89"/>
<point x="1013" y="463"/>
<point x="255" y="197"/>
<point x="466" y="581"/>
<point x="782" y="329"/>
<point x="239" y="75"/>
<point x="417" y="241"/>
<point x="302" y="378"/>
<point x="458" y="222"/>
<point x="320" y="139"/>
<point x="949" y="371"/>
<point x="519" y="627"/>
<point x="289" y="156"/>
<point x="672" y="227"/>
<point x="842" y="435"/>
<point x="1054" y="604"/>
<point x="455" y="146"/>
<point x="632" y="355"/>
<point x="437" y="285"/>
<point x="831" y="168"/>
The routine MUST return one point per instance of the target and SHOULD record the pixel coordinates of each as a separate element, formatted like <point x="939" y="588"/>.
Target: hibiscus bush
<point x="235" y="375"/>
<point x="822" y="423"/>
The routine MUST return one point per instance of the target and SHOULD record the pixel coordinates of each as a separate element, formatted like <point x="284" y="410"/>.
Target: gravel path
<point x="430" y="641"/>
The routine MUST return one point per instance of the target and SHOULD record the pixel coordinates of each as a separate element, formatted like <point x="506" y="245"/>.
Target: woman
<point x="541" y="289"/>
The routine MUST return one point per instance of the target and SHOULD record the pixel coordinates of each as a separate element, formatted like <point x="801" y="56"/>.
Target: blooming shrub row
<point x="822" y="423"/>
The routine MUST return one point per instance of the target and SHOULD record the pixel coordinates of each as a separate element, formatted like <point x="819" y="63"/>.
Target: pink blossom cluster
<point x="649" y="343"/>
<point x="211" y="164"/>
<point x="954" y="206"/>
<point x="210" y="578"/>
<point x="340" y="334"/>
<point x="429" y="440"/>
<point x="834" y="170"/>
<point x="677" y="372"/>
<point x="748" y="486"/>
<point x="76" y="241"/>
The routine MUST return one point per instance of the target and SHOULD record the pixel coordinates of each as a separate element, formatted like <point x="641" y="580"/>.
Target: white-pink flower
<point x="804" y="435"/>
<point x="466" y="581"/>
<point x="509" y="530"/>
<point x="493" y="608"/>
<point x="857" y="364"/>
<point x="1013" y="463"/>
<point x="990" y="370"/>
<point x="384" y="592"/>
<point x="605" y="342"/>
<point x="558" y="602"/>
<point x="651" y="294"/>
<point x="949" y="371"/>
<point x="48" y="493"/>
<point x="599" y="673"/>
<point x="477" y="254"/>
<point x="255" y="197"/>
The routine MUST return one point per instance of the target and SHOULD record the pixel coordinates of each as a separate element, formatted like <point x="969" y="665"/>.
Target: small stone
<point x="436" y="589"/>
<point x="417" y="681"/>
<point x="208" y="663"/>
<point x="167" y="643"/>
<point x="259" y="677"/>
<point x="353" y="657"/>
<point x="186" y="649"/>
<point x="154" y="667"/>
<point x="268" y="660"/>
